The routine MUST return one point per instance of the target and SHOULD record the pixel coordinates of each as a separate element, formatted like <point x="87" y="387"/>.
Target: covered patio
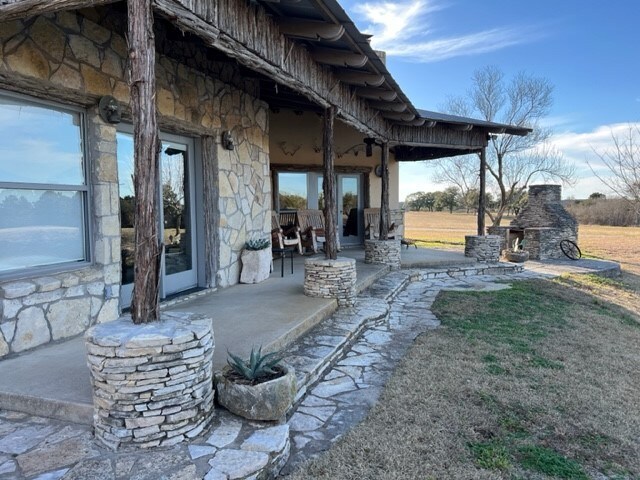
<point x="54" y="381"/>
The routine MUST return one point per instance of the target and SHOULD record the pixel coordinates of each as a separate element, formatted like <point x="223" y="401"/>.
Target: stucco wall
<point x="76" y="54"/>
<point x="302" y="145"/>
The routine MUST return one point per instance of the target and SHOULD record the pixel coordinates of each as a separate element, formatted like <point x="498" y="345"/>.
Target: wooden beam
<point x="483" y="189"/>
<point x="310" y="29"/>
<point x="377" y="94"/>
<point x="399" y="117"/>
<point x="30" y="8"/>
<point x="329" y="186"/>
<point x="388" y="106"/>
<point x="339" y="58"/>
<point x="461" y="127"/>
<point x="146" y="144"/>
<point x="361" y="79"/>
<point x="419" y="122"/>
<point x="384" y="197"/>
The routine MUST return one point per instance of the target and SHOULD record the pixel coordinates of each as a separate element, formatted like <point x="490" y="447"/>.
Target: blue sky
<point x="589" y="51"/>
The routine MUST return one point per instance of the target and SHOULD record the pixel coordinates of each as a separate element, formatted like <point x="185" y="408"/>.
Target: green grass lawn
<point x="538" y="381"/>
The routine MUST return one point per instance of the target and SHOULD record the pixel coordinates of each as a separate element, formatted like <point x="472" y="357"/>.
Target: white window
<point x="43" y="187"/>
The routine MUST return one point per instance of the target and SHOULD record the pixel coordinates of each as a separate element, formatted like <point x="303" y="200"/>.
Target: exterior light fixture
<point x="109" y="109"/>
<point x="227" y="140"/>
<point x="369" y="143"/>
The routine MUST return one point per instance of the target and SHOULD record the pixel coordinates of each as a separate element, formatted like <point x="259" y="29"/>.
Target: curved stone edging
<point x="331" y="279"/>
<point x="383" y="252"/>
<point x="152" y="383"/>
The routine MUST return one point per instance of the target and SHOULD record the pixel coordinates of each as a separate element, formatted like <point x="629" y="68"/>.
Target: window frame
<point x="84" y="189"/>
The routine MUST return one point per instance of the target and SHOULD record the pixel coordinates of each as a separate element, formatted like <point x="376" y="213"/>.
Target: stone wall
<point x="544" y="243"/>
<point x="44" y="308"/>
<point x="87" y="53"/>
<point x="485" y="248"/>
<point x="153" y="383"/>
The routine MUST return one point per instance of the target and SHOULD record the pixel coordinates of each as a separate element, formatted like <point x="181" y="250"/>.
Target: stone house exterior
<point x="65" y="172"/>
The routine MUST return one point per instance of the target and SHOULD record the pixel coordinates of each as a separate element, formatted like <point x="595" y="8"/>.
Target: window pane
<point x="292" y="191"/>
<point x="40" y="227"/>
<point x="127" y="204"/>
<point x="39" y="144"/>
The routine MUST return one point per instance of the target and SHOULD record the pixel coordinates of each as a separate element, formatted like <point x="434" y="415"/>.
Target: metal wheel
<point x="570" y="249"/>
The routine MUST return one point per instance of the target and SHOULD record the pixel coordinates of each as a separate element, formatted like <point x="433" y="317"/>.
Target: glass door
<point x="176" y="218"/>
<point x="350" y="209"/>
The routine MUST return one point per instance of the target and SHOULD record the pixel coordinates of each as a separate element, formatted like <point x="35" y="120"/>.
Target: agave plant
<point x="257" y="244"/>
<point x="258" y="366"/>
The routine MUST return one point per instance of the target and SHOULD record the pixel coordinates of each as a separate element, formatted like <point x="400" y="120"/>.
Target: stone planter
<point x="256" y="265"/>
<point x="484" y="248"/>
<point x="383" y="252"/>
<point x="331" y="279"/>
<point x="152" y="383"/>
<point x="264" y="401"/>
<point x="517" y="257"/>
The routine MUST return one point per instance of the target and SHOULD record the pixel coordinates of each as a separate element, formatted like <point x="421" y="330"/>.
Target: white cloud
<point x="403" y="29"/>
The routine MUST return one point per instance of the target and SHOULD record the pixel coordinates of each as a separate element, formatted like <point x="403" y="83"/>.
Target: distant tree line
<point x="452" y="199"/>
<point x="600" y="210"/>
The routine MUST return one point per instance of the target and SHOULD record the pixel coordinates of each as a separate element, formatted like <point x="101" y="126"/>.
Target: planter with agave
<point x="256" y="261"/>
<point x="261" y="388"/>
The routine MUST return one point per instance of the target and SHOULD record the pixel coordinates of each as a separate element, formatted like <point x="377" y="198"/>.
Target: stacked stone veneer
<point x="152" y="383"/>
<point x="331" y="279"/>
<point x="383" y="252"/>
<point x="43" y="308"/>
<point x="485" y="248"/>
<point x="85" y="54"/>
<point x="545" y="222"/>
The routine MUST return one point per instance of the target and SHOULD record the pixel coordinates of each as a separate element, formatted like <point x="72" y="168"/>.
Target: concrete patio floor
<point x="53" y="381"/>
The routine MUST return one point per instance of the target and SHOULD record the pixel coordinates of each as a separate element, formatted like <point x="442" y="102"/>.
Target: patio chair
<point x="282" y="238"/>
<point x="372" y="225"/>
<point x="311" y="224"/>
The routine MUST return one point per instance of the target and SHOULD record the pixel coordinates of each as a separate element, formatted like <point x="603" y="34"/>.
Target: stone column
<point x="331" y="279"/>
<point x="382" y="252"/>
<point x="152" y="383"/>
<point x="485" y="248"/>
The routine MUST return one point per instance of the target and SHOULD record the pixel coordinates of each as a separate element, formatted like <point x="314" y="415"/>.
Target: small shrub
<point x="257" y="244"/>
<point x="258" y="367"/>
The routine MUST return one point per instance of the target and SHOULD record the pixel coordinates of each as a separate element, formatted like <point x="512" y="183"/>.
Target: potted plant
<point x="256" y="261"/>
<point x="517" y="254"/>
<point x="261" y="388"/>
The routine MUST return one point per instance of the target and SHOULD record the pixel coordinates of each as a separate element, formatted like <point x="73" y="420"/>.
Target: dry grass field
<point x="445" y="230"/>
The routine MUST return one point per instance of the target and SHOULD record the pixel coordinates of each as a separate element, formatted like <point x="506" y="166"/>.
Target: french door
<point x="350" y="209"/>
<point x="176" y="220"/>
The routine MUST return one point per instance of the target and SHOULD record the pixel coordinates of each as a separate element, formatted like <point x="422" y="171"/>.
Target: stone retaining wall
<point x="331" y="279"/>
<point x="485" y="248"/>
<point x="383" y="252"/>
<point x="152" y="383"/>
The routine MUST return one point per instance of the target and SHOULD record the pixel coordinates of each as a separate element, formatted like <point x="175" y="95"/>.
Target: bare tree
<point x="622" y="160"/>
<point x="513" y="161"/>
<point x="459" y="172"/>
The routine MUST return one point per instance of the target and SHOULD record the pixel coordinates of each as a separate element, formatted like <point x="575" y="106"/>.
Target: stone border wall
<point x="485" y="248"/>
<point x="152" y="383"/>
<point x="331" y="279"/>
<point x="383" y="252"/>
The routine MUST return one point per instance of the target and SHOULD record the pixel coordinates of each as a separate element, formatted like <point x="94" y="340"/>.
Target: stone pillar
<point x="152" y="383"/>
<point x="485" y="248"/>
<point x="503" y="233"/>
<point x="382" y="252"/>
<point x="331" y="279"/>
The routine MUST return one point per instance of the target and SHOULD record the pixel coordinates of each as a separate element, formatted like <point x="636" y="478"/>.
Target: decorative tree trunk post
<point x="482" y="194"/>
<point x="384" y="200"/>
<point x="329" y="186"/>
<point x="145" y="301"/>
<point x="210" y="208"/>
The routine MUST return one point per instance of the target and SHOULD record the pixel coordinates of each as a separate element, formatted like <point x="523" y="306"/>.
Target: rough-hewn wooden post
<point x="211" y="214"/>
<point x="145" y="301"/>
<point x="482" y="193"/>
<point x="384" y="200"/>
<point x="329" y="186"/>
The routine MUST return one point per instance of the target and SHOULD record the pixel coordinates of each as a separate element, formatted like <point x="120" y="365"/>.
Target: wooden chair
<point x="311" y="223"/>
<point x="372" y="225"/>
<point x="281" y="238"/>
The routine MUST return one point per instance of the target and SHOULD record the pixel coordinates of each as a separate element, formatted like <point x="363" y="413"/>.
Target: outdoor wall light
<point x="109" y="109"/>
<point x="227" y="140"/>
<point x="369" y="143"/>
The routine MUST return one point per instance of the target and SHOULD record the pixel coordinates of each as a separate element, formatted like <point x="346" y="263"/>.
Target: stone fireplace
<point x="542" y="224"/>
